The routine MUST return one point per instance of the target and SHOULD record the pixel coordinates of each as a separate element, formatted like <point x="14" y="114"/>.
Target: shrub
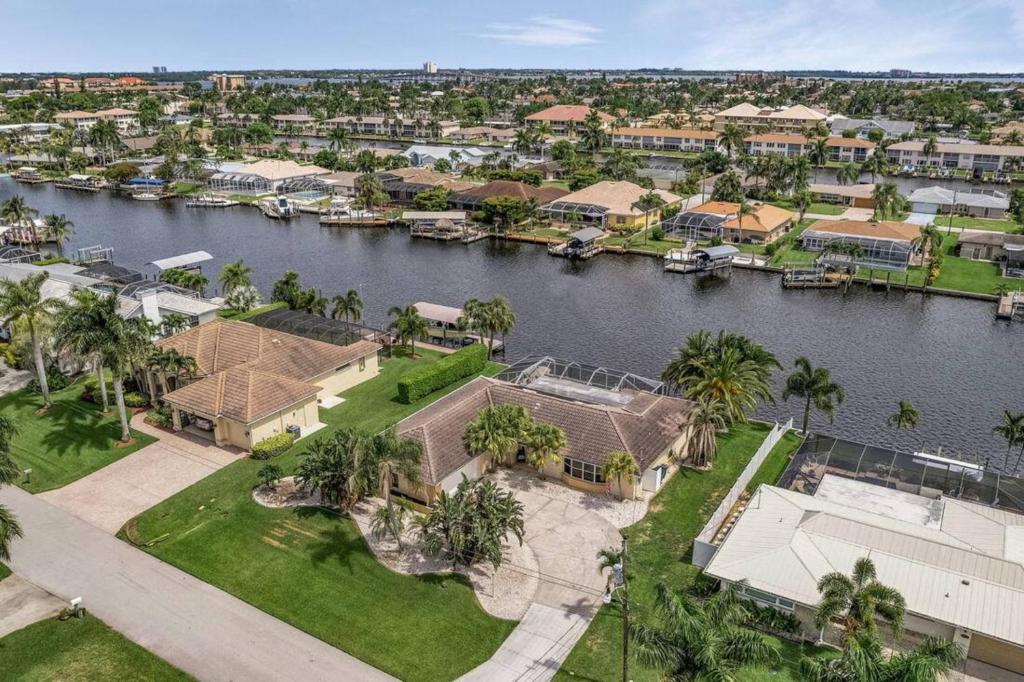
<point x="55" y="380"/>
<point x="53" y="260"/>
<point x="657" y="234"/>
<point x="135" y="399"/>
<point x="771" y="249"/>
<point x="272" y="446"/>
<point x="772" y="620"/>
<point x="446" y="371"/>
<point x="158" y="418"/>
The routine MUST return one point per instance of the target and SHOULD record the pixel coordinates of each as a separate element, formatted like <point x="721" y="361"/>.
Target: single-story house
<point x="266" y="176"/>
<point x="987" y="245"/>
<point x="342" y="183"/>
<point x="856" y="196"/>
<point x="428" y="155"/>
<point x="652" y="428"/>
<point x="473" y="199"/>
<point x="763" y="225"/>
<point x="959" y="565"/>
<point x="254" y="383"/>
<point x="488" y="133"/>
<point x="989" y="204"/>
<point x="862" y="127"/>
<point x="403" y="184"/>
<point x="610" y="203"/>
<point x="888" y="245"/>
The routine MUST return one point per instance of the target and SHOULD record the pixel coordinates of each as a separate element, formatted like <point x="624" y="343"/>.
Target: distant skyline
<point x="872" y="35"/>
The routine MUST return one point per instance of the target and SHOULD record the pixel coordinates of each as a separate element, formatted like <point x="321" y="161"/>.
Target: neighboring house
<point x="126" y="120"/>
<point x="609" y="203"/>
<point x="763" y="225"/>
<point x="856" y="196"/>
<point x="473" y="199"/>
<point x="403" y="184"/>
<point x="596" y="422"/>
<point x="393" y="126"/>
<point x="428" y="155"/>
<point x="566" y="120"/>
<point x="302" y="124"/>
<point x="745" y="116"/>
<point x="254" y="383"/>
<point x="665" y="139"/>
<point x="342" y="183"/>
<point x="884" y="245"/>
<point x="268" y="175"/>
<point x="959" y="565"/>
<point x="486" y="133"/>
<point x="843" y="149"/>
<point x="987" y="204"/>
<point x="988" y="245"/>
<point x="981" y="157"/>
<point x="226" y="82"/>
<point x="891" y="130"/>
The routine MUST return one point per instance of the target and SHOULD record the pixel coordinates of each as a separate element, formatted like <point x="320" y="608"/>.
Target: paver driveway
<point x="110" y="497"/>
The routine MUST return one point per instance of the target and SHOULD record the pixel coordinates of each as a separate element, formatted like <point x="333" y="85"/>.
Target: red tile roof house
<point x="566" y="119"/>
<point x="653" y="429"/>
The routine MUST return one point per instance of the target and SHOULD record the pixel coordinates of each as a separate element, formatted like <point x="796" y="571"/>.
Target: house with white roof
<point x="988" y="204"/>
<point x="265" y="176"/>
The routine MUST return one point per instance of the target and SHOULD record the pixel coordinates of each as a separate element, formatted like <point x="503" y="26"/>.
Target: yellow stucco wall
<point x="304" y="414"/>
<point x="357" y="372"/>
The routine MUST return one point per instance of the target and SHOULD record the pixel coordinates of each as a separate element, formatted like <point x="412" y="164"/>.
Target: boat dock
<point x="1011" y="306"/>
<point x="709" y="260"/>
<point x="82" y="183"/>
<point x="812" y="278"/>
<point x="581" y="245"/>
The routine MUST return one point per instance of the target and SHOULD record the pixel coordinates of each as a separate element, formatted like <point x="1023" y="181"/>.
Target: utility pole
<point x="949" y="227"/>
<point x="625" y="616"/>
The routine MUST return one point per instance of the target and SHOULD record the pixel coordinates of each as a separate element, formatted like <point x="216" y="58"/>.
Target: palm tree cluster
<point x="408" y="325"/>
<point x="1011" y="428"/>
<point x="347" y="306"/>
<point x="9" y="472"/>
<point x="500" y="430"/>
<point x="471" y="524"/>
<point x="889" y="203"/>
<point x="23" y="303"/>
<point x="192" y="280"/>
<point x="488" y="319"/>
<point x="288" y="291"/>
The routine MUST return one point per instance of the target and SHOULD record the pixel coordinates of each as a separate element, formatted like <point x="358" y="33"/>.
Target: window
<point x="583" y="471"/>
<point x="362" y="363"/>
<point x="768" y="599"/>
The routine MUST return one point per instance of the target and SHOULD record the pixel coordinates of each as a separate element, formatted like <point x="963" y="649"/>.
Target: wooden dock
<point x="813" y="278"/>
<point x="1011" y="306"/>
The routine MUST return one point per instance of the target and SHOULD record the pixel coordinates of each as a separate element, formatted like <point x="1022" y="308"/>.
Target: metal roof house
<point x="937" y="199"/>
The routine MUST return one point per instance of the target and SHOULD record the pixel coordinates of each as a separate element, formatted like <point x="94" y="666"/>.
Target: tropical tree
<point x="1011" y="428"/>
<point x="15" y="211"/>
<point x="858" y="601"/>
<point x="848" y="174"/>
<point x="647" y="203"/>
<point x="802" y="201"/>
<point x="391" y="519"/>
<point x="235" y="275"/>
<point x="127" y="345"/>
<point x="708" y="418"/>
<point x="593" y="136"/>
<point x="269" y="474"/>
<point x="370" y="192"/>
<point x="906" y="416"/>
<point x="815" y="386"/>
<point x="390" y="456"/>
<point x="498" y="431"/>
<point x="408" y="325"/>
<point x="819" y="154"/>
<point x="24" y="302"/>
<point x="544" y="443"/>
<point x="619" y="465"/>
<point x="330" y="466"/>
<point x="697" y="640"/>
<point x="731" y="140"/>
<point x="9" y="472"/>
<point x="876" y="164"/>
<point x="81" y="330"/>
<point x="58" y="230"/>
<point x="340" y="139"/>
<point x="243" y="298"/>
<point x="471" y="524"/>
<point x="349" y="306"/>
<point x="887" y="201"/>
<point x="174" y="323"/>
<point x="864" y="658"/>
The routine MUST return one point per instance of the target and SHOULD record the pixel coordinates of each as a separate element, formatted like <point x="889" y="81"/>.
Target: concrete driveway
<point x="122" y="490"/>
<point x="22" y="603"/>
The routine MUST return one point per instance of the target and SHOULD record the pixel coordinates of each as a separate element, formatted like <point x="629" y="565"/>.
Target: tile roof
<point x="508" y="188"/>
<point x="860" y="228"/>
<point x="763" y="218"/>
<point x="242" y="395"/>
<point x="960" y="148"/>
<point x="567" y="112"/>
<point x="618" y="196"/>
<point x="859" y="191"/>
<point x="692" y="133"/>
<point x="646" y="427"/>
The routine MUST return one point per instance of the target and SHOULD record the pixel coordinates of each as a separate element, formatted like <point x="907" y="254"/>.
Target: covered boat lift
<point x="704" y="260"/>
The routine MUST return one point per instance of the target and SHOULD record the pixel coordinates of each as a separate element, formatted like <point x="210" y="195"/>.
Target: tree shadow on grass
<point x="336" y="544"/>
<point x="76" y="427"/>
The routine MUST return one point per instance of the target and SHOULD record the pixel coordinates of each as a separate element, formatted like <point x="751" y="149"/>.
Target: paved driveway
<point x="22" y="603"/>
<point x="122" y="490"/>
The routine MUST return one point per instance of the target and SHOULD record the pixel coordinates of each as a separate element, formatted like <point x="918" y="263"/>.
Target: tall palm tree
<point x="9" y="472"/>
<point x="235" y="275"/>
<point x="849" y="173"/>
<point x="128" y="345"/>
<point x="393" y="455"/>
<point x="906" y="416"/>
<point x="887" y="200"/>
<point x="732" y="140"/>
<point x="340" y="139"/>
<point x="408" y="325"/>
<point x="349" y="306"/>
<point x="58" y="230"/>
<point x="707" y="419"/>
<point x="819" y="154"/>
<point x="930" y="147"/>
<point x="24" y="302"/>
<point x="15" y="211"/>
<point x="174" y="323"/>
<point x="647" y="203"/>
<point x="81" y="330"/>
<point x="864" y="658"/>
<point x="858" y="601"/>
<point x="1011" y="428"/>
<point x="802" y="201"/>
<point x="544" y="443"/>
<point x="876" y="164"/>
<point x="498" y="431"/>
<point x="815" y="386"/>
<point x="617" y="465"/>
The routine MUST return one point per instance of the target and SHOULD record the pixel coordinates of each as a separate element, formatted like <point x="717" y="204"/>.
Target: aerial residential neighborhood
<point x="656" y="341"/>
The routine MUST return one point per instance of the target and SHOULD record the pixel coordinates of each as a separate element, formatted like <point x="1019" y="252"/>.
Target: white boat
<point x="209" y="200"/>
<point x="146" y="196"/>
<point x="278" y="207"/>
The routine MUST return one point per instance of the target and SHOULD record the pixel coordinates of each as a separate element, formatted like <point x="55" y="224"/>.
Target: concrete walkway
<point x="11" y="379"/>
<point x="202" y="630"/>
<point x="122" y="490"/>
<point x="22" y="603"/>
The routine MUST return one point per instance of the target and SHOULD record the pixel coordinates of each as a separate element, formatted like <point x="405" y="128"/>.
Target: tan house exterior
<point x="254" y="383"/>
<point x="610" y="203"/>
<point x="763" y="225"/>
<point x="666" y="139"/>
<point x="566" y="119"/>
<point x="745" y="116"/>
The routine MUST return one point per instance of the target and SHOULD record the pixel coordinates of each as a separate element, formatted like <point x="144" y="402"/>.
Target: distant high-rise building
<point x="226" y="82"/>
<point x="159" y="69"/>
<point x="429" y="67"/>
<point x="900" y="73"/>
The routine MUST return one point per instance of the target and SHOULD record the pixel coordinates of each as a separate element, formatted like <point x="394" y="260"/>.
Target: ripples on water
<point x="948" y="356"/>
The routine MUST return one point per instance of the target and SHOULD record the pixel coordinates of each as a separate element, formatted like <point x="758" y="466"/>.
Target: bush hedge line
<point x="445" y="372"/>
<point x="272" y="446"/>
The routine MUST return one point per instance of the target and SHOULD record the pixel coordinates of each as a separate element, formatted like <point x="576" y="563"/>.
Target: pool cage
<point x="16" y="254"/>
<point x="337" y="332"/>
<point x="240" y="183"/>
<point x="916" y="473"/>
<point x="692" y="226"/>
<point x="571" y="211"/>
<point x="874" y="253"/>
<point x="311" y="187"/>
<point x="527" y="370"/>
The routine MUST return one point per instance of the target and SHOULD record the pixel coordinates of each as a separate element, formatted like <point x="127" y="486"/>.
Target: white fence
<point x="703" y="549"/>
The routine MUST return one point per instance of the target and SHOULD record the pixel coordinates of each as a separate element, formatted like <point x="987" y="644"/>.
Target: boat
<point x="146" y="196"/>
<point x="80" y="182"/>
<point x="278" y="207"/>
<point x="29" y="175"/>
<point x="210" y="201"/>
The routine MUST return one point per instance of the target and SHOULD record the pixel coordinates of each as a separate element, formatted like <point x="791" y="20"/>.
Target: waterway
<point x="948" y="356"/>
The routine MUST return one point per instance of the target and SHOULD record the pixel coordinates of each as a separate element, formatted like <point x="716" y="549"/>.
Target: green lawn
<point x="78" y="650"/>
<point x="561" y="184"/>
<point x="978" y="223"/>
<point x="312" y="568"/>
<point x="815" y="207"/>
<point x="70" y="441"/>
<point x="230" y="314"/>
<point x="660" y="552"/>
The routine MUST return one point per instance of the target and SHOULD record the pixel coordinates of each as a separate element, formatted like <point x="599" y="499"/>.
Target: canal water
<point x="948" y="356"/>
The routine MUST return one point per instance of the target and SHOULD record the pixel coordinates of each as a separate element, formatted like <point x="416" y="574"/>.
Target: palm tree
<point x="802" y="201"/>
<point x="58" y="230"/>
<point x="174" y="323"/>
<point x="408" y="326"/>
<point x="1011" y="428"/>
<point x="848" y="174"/>
<point x="544" y="443"/>
<point x="819" y="154"/>
<point x="348" y="306"/>
<point x="617" y="465"/>
<point x="9" y="472"/>
<point x="392" y="455"/>
<point x="707" y="419"/>
<point x="128" y="345"/>
<point x="390" y="520"/>
<point x="235" y="275"/>
<point x="81" y="330"/>
<point x="340" y="139"/>
<point x="858" y="600"/>
<point x="732" y="140"/>
<point x="929" y="241"/>
<point x="931" y="147"/>
<point x="651" y="201"/>
<point x="815" y="385"/>
<point x="876" y="164"/>
<point x="906" y="416"/>
<point x="15" y="211"/>
<point x="887" y="199"/>
<point x="24" y="302"/>
<point x="697" y="640"/>
<point x="497" y="431"/>
<point x="593" y="136"/>
<point x="863" y="658"/>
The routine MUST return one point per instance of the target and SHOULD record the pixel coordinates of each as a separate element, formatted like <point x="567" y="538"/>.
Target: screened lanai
<point x="338" y="332"/>
<point x="308" y="187"/>
<point x="571" y="211"/>
<point x="533" y="368"/>
<point x="694" y="227"/>
<point x="240" y="183"/>
<point x="863" y="251"/>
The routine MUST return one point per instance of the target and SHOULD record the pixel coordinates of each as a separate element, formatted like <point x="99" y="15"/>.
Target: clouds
<point x="544" y="32"/>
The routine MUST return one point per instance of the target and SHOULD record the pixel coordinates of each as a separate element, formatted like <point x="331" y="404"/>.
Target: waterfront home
<point x="609" y="203"/>
<point x="342" y="183"/>
<point x="745" y="116"/>
<point x="254" y="383"/>
<point x="970" y="156"/>
<point x="855" y="196"/>
<point x="888" y="245"/>
<point x="403" y="184"/>
<point x="299" y="124"/>
<point x="665" y="139"/>
<point x="473" y="199"/>
<point x="998" y="247"/>
<point x="268" y="175"/>
<point x="763" y="225"/>
<point x="842" y="149"/>
<point x="566" y="119"/>
<point x="985" y="204"/>
<point x="958" y="564"/>
<point x="695" y="226"/>
<point x="126" y="120"/>
<point x="393" y="126"/>
<point x="486" y="133"/>
<point x="862" y="127"/>
<point x="428" y="155"/>
<point x="597" y="421"/>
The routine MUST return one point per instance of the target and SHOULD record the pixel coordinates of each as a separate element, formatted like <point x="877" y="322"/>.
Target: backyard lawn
<point x="996" y="225"/>
<point x="311" y="567"/>
<point x="72" y="440"/>
<point x="77" y="650"/>
<point x="660" y="550"/>
<point x="230" y="314"/>
<point x="815" y="207"/>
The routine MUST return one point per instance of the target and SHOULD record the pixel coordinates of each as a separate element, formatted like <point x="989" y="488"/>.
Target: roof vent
<point x="965" y="582"/>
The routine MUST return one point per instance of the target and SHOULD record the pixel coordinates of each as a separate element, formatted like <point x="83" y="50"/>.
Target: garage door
<point x="923" y="207"/>
<point x="999" y="654"/>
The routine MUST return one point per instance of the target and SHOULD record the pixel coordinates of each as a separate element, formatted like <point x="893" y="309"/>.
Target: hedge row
<point x="445" y="372"/>
<point x="272" y="446"/>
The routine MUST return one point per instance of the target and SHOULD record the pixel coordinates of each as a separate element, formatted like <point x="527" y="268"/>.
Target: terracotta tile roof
<point x="508" y="188"/>
<point x="859" y="191"/>
<point x="717" y="208"/>
<point x="692" y="133"/>
<point x="242" y="395"/>
<point x="645" y="428"/>
<point x="764" y="218"/>
<point x="860" y="228"/>
<point x="567" y="112"/>
<point x="855" y="142"/>
<point x="618" y="196"/>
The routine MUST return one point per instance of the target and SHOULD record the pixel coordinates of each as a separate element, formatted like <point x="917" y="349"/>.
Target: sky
<point x="867" y="35"/>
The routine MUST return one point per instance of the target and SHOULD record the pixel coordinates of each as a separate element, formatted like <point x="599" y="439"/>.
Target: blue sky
<point x="115" y="35"/>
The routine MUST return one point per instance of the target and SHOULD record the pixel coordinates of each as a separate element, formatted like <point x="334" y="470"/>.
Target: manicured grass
<point x="815" y="207"/>
<point x="70" y="441"/>
<point x="561" y="184"/>
<point x="660" y="549"/>
<point x="970" y="223"/>
<point x="636" y="243"/>
<point x="77" y="650"/>
<point x="230" y="314"/>
<point x="312" y="568"/>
